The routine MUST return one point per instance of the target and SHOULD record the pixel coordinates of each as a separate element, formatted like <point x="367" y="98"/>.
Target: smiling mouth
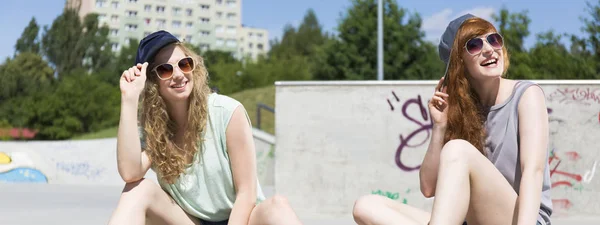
<point x="179" y="85"/>
<point x="489" y="62"/>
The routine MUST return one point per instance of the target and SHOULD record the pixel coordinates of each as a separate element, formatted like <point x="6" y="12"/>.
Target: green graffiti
<point x="388" y="194"/>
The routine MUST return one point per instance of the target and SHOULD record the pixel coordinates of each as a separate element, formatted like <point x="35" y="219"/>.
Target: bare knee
<point x="140" y="192"/>
<point x="457" y="150"/>
<point x="278" y="203"/>
<point x="365" y="208"/>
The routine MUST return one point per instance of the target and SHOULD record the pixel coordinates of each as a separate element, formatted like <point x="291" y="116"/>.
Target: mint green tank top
<point x="206" y="189"/>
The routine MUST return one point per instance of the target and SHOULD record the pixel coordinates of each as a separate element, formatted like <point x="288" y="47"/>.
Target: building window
<point x="100" y="3"/>
<point x="147" y="8"/>
<point x="231" y="43"/>
<point x="188" y="38"/>
<point x="219" y="2"/>
<point x="115" y="46"/>
<point x="250" y="45"/>
<point x="219" y="42"/>
<point x="115" y="5"/>
<point x="219" y="15"/>
<point x="204" y="33"/>
<point x="259" y="46"/>
<point x="114" y="32"/>
<point x="176" y="24"/>
<point x="231" y="30"/>
<point x="189" y="25"/>
<point x="176" y="11"/>
<point x="250" y="34"/>
<point x="259" y="35"/>
<point x="114" y="19"/>
<point x="204" y="7"/>
<point x="160" y="23"/>
<point x="219" y="28"/>
<point x="188" y="12"/>
<point x="204" y="47"/>
<point x="132" y="1"/>
<point x="131" y="13"/>
<point x="177" y="36"/>
<point x="148" y="21"/>
<point x="131" y="27"/>
<point x="231" y="3"/>
<point x="231" y="16"/>
<point x="160" y="9"/>
<point x="204" y="20"/>
<point x="101" y="17"/>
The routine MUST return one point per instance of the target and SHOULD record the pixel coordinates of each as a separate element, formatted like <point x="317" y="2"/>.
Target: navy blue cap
<point x="445" y="46"/>
<point x="151" y="44"/>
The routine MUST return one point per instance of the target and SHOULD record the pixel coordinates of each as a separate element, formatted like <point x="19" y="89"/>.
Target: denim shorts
<point x="204" y="222"/>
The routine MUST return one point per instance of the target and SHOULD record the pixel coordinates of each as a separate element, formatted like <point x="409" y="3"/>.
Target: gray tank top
<point x="502" y="144"/>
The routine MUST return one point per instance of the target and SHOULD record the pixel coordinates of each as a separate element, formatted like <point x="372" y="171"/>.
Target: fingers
<point x="125" y="75"/>
<point x="144" y="68"/>
<point x="131" y="74"/>
<point x="439" y="85"/>
<point x="137" y="71"/>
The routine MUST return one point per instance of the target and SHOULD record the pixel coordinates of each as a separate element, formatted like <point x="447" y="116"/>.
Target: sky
<point x="562" y="16"/>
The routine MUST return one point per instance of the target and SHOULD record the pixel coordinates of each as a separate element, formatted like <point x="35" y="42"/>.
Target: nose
<point x="487" y="48"/>
<point x="177" y="74"/>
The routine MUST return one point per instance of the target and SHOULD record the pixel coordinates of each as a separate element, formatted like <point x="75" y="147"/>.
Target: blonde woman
<point x="199" y="144"/>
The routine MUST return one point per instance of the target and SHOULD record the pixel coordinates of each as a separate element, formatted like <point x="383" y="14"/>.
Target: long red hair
<point x="465" y="114"/>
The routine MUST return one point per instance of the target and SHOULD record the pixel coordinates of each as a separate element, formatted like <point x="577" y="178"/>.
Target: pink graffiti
<point x="585" y="96"/>
<point x="423" y="127"/>
<point x="562" y="203"/>
<point x="572" y="155"/>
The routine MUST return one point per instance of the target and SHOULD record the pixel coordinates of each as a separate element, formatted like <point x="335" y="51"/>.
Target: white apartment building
<point x="209" y="24"/>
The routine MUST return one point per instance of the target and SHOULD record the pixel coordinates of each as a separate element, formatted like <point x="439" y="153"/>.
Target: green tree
<point x="514" y="27"/>
<point x="70" y="44"/>
<point x="592" y="29"/>
<point x="29" y="42"/>
<point x="25" y="74"/>
<point x="554" y="61"/>
<point x="353" y="54"/>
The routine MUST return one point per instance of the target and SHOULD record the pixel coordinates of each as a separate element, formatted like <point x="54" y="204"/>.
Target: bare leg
<point x="143" y="200"/>
<point x="274" y="211"/>
<point x="470" y="186"/>
<point x="379" y="210"/>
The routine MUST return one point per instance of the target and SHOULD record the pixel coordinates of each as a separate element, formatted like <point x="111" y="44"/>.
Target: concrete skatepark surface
<point x="63" y="204"/>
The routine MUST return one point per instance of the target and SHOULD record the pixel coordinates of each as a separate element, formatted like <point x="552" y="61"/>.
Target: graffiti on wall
<point x="423" y="122"/>
<point x="579" y="95"/>
<point x="83" y="169"/>
<point x="392" y="195"/>
<point x="568" y="179"/>
<point x="18" y="168"/>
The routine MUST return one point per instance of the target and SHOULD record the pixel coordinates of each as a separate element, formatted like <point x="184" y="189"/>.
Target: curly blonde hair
<point x="169" y="159"/>
<point x="465" y="112"/>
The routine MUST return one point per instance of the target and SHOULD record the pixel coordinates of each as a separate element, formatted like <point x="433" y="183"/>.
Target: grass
<point x="249" y="98"/>
<point x="106" y="133"/>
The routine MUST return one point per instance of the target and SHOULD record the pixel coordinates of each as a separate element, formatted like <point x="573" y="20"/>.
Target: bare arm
<point x="438" y="108"/>
<point x="240" y="146"/>
<point x="429" y="168"/>
<point x="533" y="129"/>
<point x="132" y="163"/>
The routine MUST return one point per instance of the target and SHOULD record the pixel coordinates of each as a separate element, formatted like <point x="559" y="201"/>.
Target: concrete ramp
<point x="91" y="162"/>
<point x="337" y="141"/>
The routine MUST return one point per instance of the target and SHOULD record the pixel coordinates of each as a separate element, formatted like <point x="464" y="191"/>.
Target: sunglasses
<point x="475" y="45"/>
<point x="165" y="71"/>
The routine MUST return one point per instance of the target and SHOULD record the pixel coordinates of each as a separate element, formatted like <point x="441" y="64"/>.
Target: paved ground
<point x="29" y="204"/>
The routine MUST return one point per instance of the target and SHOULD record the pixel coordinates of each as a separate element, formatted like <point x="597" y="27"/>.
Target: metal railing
<point x="260" y="106"/>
